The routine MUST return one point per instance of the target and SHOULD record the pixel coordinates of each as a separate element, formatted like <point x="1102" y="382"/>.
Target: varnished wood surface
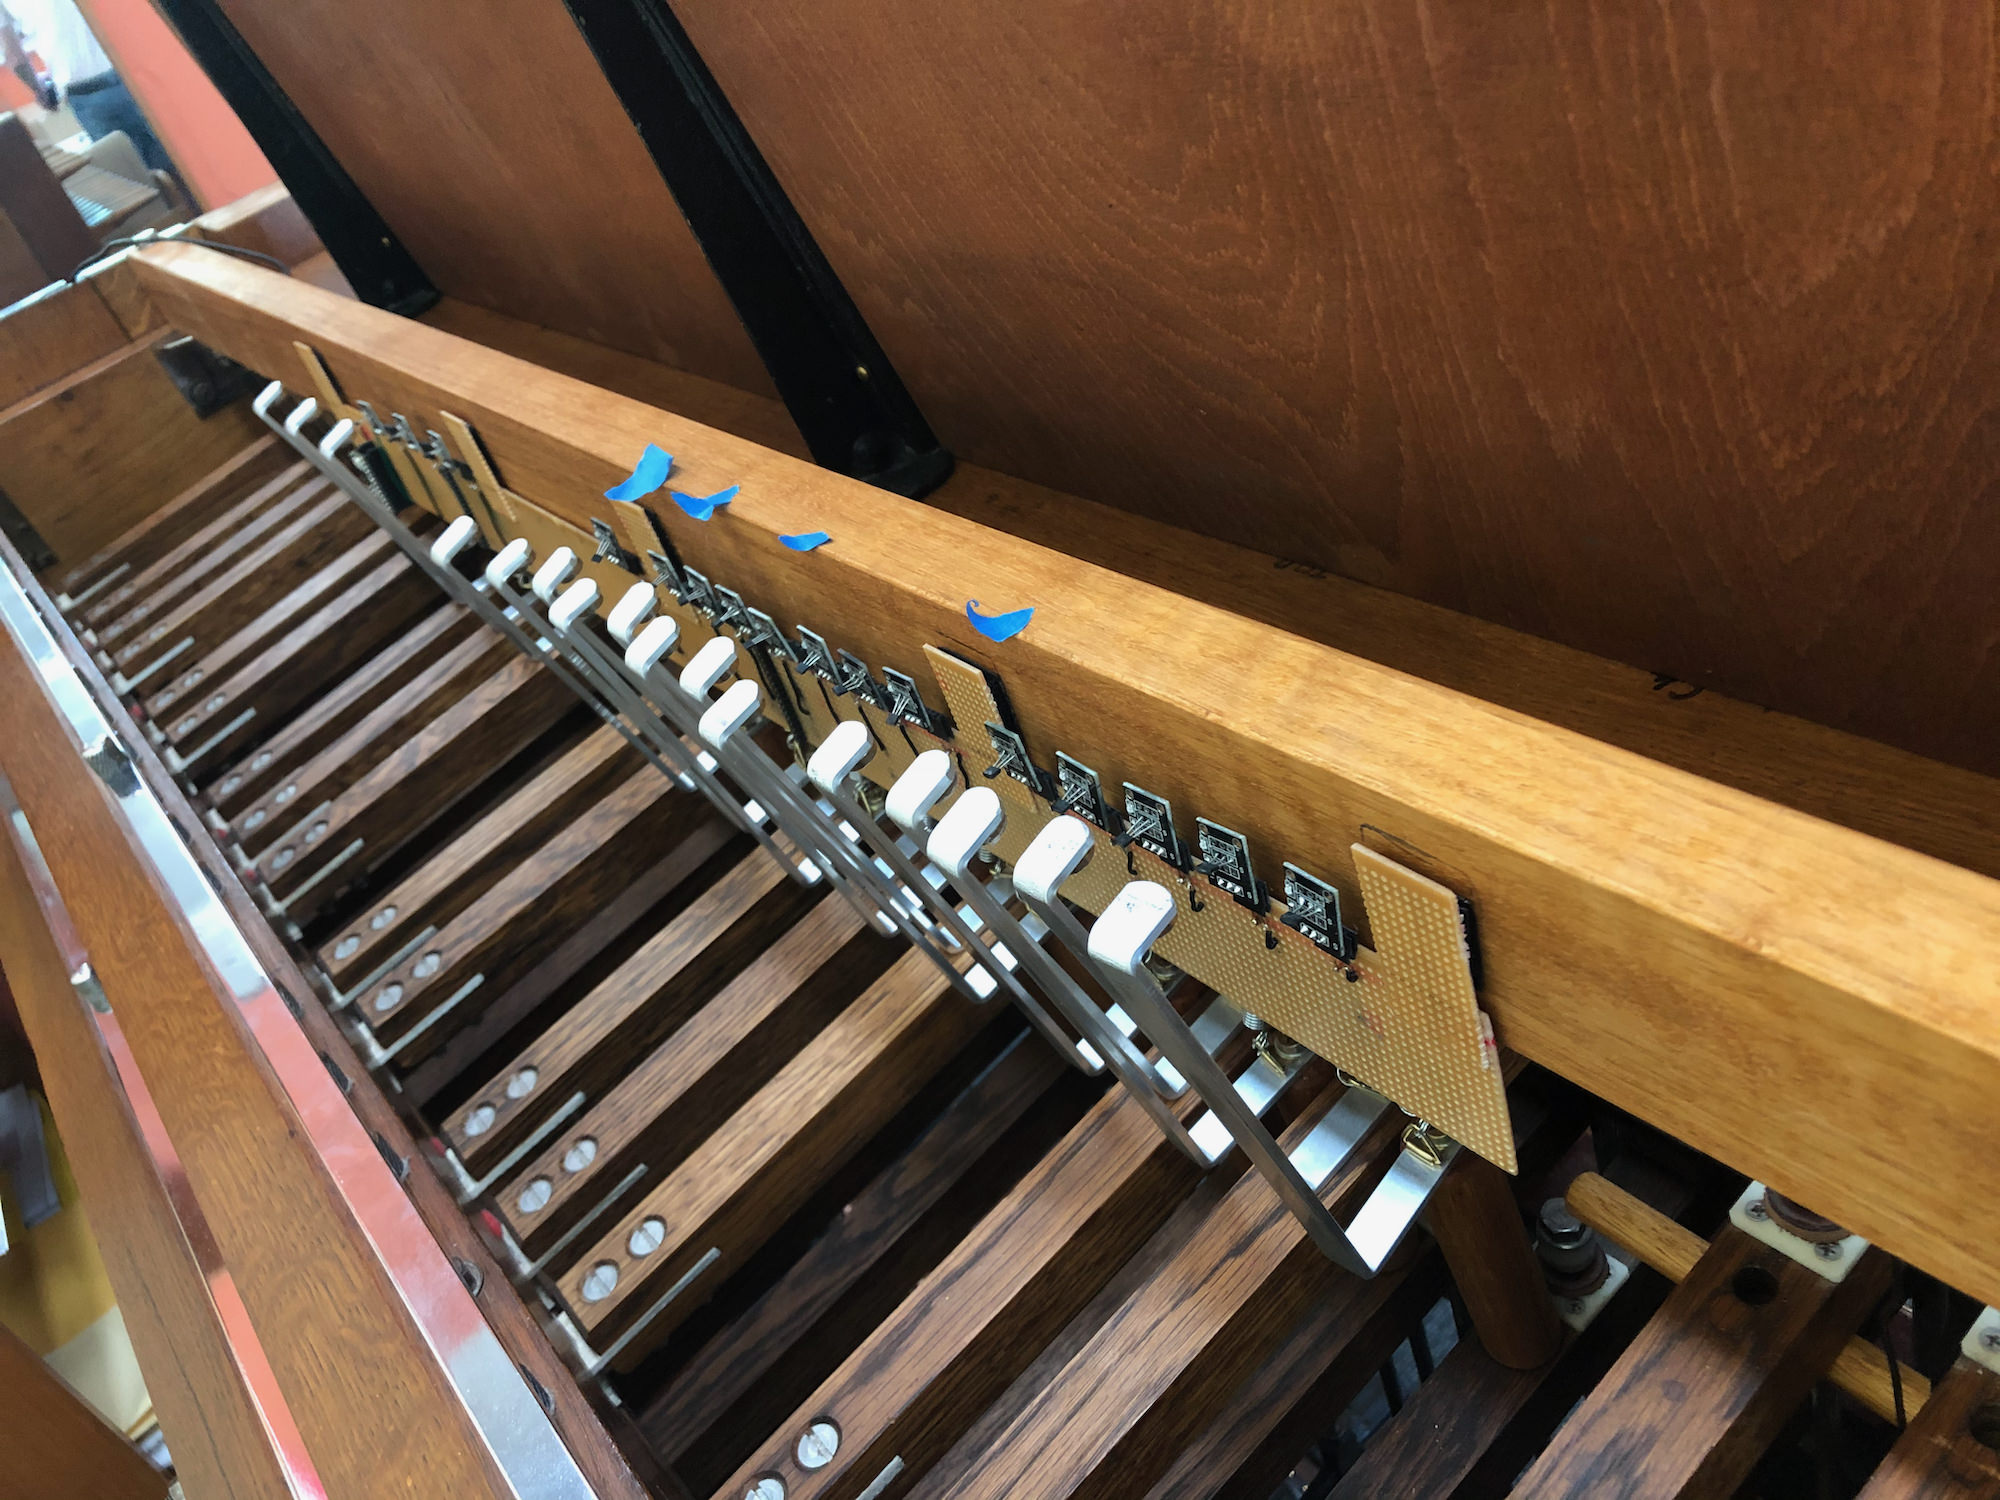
<point x="339" y="711"/>
<point x="1948" y="1450"/>
<point x="1860" y="1368"/>
<point x="43" y="340"/>
<point x="457" y="875"/>
<point x="170" y="552"/>
<point x="657" y="989"/>
<point x="1778" y="950"/>
<point x="87" y="456"/>
<point x="33" y="200"/>
<point x="299" y="1257"/>
<point x="735" y="1188"/>
<point x="1478" y="1228"/>
<point x="985" y="1311"/>
<point x="582" y="1431"/>
<point x="692" y="1080"/>
<point x="53" y="1443"/>
<point x="1647" y="331"/>
<point x="514" y="176"/>
<point x="220" y="1445"/>
<point x="369" y="614"/>
<point x="868" y="1228"/>
<point x="1697" y="1397"/>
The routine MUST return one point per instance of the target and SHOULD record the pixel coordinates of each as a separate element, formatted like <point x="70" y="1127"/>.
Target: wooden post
<point x="1473" y="1216"/>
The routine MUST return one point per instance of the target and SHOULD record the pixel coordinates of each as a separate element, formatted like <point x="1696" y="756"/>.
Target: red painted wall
<point x="214" y="152"/>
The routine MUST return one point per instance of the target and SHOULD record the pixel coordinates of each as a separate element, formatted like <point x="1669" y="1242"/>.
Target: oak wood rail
<point x="1697" y="956"/>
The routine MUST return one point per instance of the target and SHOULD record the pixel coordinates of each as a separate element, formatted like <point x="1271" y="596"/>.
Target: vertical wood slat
<point x="1948" y="1452"/>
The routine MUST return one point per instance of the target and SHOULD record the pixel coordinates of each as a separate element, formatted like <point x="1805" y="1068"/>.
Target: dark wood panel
<point x="52" y="1443"/>
<point x="44" y="340"/>
<point x="492" y="145"/>
<point x="1659" y="331"/>
<point x="1692" y="1404"/>
<point x="1948" y="1450"/>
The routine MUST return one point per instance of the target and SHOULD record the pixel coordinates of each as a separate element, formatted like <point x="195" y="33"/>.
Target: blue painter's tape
<point x="647" y="475"/>
<point x="701" y="507"/>
<point x="998" y="627"/>
<point x="805" y="541"/>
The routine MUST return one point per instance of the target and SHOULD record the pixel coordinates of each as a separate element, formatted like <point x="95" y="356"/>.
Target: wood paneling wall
<point x="1665" y="331"/>
<point x="492" y="145"/>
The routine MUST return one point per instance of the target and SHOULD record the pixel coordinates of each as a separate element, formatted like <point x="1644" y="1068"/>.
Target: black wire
<point x="125" y="242"/>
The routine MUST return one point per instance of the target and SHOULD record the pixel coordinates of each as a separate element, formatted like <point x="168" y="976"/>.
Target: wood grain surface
<point x="60" y="331"/>
<point x="664" y="982"/>
<point x="1693" y="1402"/>
<point x="86" y="457"/>
<point x="204" y="1405"/>
<point x="1858" y="783"/>
<point x="1658" y="332"/>
<point x="1948" y="1450"/>
<point x="1695" y="955"/>
<point x="1479" y="1229"/>
<point x="513" y="175"/>
<point x="336" y="711"/>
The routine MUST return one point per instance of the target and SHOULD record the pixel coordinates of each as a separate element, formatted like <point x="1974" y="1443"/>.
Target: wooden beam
<point x="1692" y="1404"/>
<point x="1948" y="1452"/>
<point x="1698" y="957"/>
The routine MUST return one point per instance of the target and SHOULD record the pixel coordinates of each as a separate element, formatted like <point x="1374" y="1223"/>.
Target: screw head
<point x="1990" y="1340"/>
<point x="382" y="918"/>
<point x="817" y="1445"/>
<point x="581" y="1155"/>
<point x="426" y="966"/>
<point x="387" y="996"/>
<point x="648" y="1237"/>
<point x="522" y="1083"/>
<point x="600" y="1281"/>
<point x="480" y="1120"/>
<point x="346" y="947"/>
<point x="1827" y="1251"/>
<point x="1755" y="1209"/>
<point x="535" y="1196"/>
<point x="769" y="1487"/>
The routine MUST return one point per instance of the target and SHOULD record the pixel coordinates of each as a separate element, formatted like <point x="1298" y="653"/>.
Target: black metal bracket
<point x="367" y="251"/>
<point x="838" y="385"/>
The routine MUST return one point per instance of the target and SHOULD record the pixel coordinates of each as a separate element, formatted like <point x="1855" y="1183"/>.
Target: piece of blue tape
<point x="647" y="475"/>
<point x="701" y="507"/>
<point x="805" y="541"/>
<point x="998" y="627"/>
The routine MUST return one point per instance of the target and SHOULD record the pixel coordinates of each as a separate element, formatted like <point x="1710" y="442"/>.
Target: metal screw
<point x="382" y="918"/>
<point x="255" y="819"/>
<point x="648" y="1237"/>
<point x="1989" y="1340"/>
<point x="263" y="759"/>
<point x="522" y="1083"/>
<point x="315" y="833"/>
<point x="387" y="996"/>
<point x="581" y="1155"/>
<point x="535" y="1196"/>
<point x="287" y="792"/>
<point x="817" y="1445"/>
<point x="1560" y="1227"/>
<point x="426" y="966"/>
<point x="1574" y="1305"/>
<point x="346" y="947"/>
<point x="600" y="1281"/>
<point x="1827" y="1252"/>
<point x="1755" y="1209"/>
<point x="770" y="1487"/>
<point x="283" y="857"/>
<point x="480" y="1120"/>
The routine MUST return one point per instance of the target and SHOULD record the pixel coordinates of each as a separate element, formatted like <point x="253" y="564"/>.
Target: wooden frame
<point x="1811" y="1005"/>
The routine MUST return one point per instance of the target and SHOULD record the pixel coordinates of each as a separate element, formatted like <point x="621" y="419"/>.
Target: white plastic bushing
<point x="459" y="535"/>
<point x="1131" y="924"/>
<point x="841" y="754"/>
<point x="920" y="789"/>
<point x="630" y="612"/>
<point x="553" y="574"/>
<point x="575" y="602"/>
<point x="652" y="644"/>
<point x="964" y="831"/>
<point x="730" y="712"/>
<point x="1056" y="853"/>
<point x="708" y="666"/>
<point x="508" y="562"/>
